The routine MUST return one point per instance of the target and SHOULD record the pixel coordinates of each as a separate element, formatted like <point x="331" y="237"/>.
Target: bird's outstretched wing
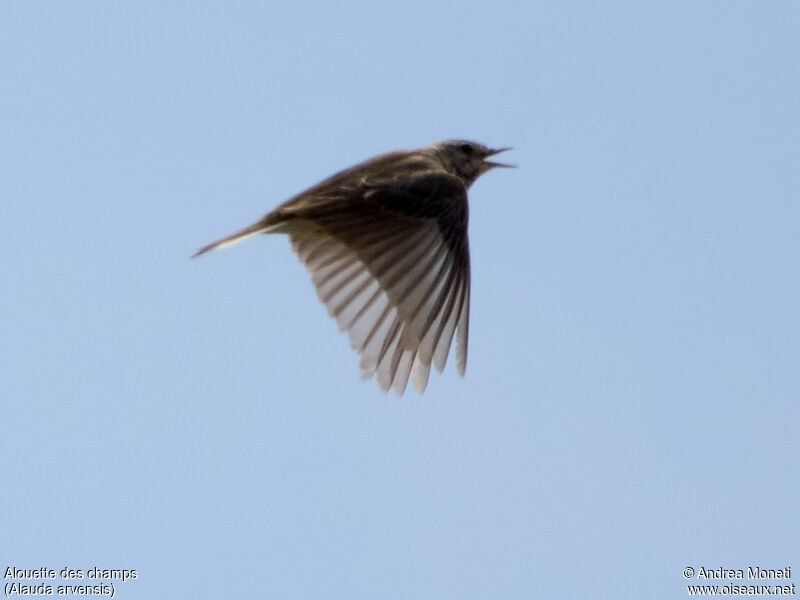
<point x="390" y="261"/>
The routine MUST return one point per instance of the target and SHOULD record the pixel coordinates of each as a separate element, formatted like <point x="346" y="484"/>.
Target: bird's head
<point x="467" y="160"/>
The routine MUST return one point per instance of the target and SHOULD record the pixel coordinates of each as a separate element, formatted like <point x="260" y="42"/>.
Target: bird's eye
<point x="466" y="149"/>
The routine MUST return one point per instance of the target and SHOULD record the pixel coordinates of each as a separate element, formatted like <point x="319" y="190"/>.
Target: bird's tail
<point x="242" y="234"/>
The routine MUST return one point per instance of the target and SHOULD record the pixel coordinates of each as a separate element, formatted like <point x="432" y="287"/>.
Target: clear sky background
<point x="632" y="398"/>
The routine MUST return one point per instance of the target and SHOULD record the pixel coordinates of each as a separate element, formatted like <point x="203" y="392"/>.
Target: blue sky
<point x="632" y="397"/>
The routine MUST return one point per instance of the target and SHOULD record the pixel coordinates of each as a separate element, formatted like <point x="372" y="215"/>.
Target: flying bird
<point x="386" y="244"/>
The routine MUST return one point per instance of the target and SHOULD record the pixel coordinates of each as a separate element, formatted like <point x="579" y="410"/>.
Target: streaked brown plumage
<point x="386" y="244"/>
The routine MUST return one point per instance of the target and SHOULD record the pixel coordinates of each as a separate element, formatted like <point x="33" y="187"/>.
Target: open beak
<point x="491" y="164"/>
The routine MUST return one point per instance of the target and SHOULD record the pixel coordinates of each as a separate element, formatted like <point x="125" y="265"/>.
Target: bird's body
<point x="386" y="244"/>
